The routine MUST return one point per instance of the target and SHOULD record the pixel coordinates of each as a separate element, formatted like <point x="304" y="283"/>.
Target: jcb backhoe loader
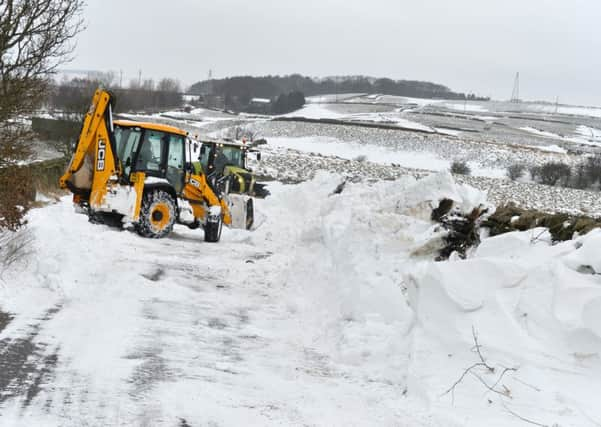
<point x="142" y="173"/>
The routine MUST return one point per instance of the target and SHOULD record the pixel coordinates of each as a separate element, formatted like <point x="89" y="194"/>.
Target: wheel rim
<point x="160" y="216"/>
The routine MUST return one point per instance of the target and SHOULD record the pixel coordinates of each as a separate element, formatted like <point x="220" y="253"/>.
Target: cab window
<point x="127" y="140"/>
<point x="175" y="161"/>
<point x="205" y="155"/>
<point x="150" y="153"/>
<point x="234" y="156"/>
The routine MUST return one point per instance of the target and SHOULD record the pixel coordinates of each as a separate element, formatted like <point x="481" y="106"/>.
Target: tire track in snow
<point x="27" y="365"/>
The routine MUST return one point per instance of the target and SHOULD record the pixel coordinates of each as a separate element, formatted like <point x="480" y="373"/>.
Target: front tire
<point x="157" y="215"/>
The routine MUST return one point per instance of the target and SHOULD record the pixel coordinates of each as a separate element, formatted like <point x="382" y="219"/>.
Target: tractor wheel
<point x="157" y="215"/>
<point x="213" y="231"/>
<point x="250" y="214"/>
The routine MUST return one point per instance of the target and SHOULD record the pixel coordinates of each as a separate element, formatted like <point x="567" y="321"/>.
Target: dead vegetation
<point x="14" y="245"/>
<point x="463" y="229"/>
<point x="483" y="368"/>
<point x="16" y="194"/>
<point x="562" y="226"/>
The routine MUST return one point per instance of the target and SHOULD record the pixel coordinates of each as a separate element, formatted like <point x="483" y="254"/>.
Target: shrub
<point x="16" y="193"/>
<point x="516" y="171"/>
<point x="14" y="245"/>
<point x="552" y="173"/>
<point x="592" y="169"/>
<point x="460" y="167"/>
<point x="580" y="178"/>
<point x="534" y="173"/>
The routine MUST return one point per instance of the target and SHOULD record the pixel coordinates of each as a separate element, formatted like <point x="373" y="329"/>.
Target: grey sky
<point x="468" y="45"/>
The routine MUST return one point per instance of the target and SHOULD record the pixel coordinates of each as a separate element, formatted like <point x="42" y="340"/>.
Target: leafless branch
<point x="535" y="239"/>
<point x="526" y="420"/>
<point x="477" y="348"/>
<point x="504" y="391"/>
<point x="467" y="371"/>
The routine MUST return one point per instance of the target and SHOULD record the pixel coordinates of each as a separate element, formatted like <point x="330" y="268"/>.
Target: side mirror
<point x="203" y="150"/>
<point x="259" y="156"/>
<point x="128" y="162"/>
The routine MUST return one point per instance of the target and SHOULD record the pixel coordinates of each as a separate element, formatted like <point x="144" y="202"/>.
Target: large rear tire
<point x="157" y="215"/>
<point x="213" y="230"/>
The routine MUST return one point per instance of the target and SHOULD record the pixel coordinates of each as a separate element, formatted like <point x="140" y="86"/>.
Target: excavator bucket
<point x="242" y="211"/>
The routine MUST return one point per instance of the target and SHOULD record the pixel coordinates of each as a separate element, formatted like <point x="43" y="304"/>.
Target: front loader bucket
<point x="241" y="210"/>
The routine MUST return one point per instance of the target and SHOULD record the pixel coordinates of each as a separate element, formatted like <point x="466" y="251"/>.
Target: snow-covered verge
<point x="330" y="312"/>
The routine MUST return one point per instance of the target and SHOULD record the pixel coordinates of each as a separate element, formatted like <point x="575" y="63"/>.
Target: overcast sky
<point x="468" y="45"/>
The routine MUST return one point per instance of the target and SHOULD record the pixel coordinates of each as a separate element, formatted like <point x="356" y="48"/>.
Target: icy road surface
<point x="330" y="313"/>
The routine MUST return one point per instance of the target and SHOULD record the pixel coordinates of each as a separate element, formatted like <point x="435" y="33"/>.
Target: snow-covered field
<point x="377" y="154"/>
<point x="331" y="312"/>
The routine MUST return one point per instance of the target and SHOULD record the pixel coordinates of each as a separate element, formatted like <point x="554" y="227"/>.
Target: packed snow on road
<point x="331" y="311"/>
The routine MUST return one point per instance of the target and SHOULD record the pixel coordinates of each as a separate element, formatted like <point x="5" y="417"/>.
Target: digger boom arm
<point x="95" y="137"/>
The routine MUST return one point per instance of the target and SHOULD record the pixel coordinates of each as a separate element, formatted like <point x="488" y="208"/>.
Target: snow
<point x="580" y="111"/>
<point x="330" y="312"/>
<point x="466" y="107"/>
<point x="332" y="97"/>
<point x="587" y="135"/>
<point x="390" y="118"/>
<point x="549" y="148"/>
<point x="377" y="154"/>
<point x="540" y="132"/>
<point x="321" y="111"/>
<point x="450" y="132"/>
<point x="315" y="111"/>
<point x="261" y="100"/>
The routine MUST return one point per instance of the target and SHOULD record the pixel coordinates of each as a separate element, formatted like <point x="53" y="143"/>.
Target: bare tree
<point x="36" y="36"/>
<point x="169" y="85"/>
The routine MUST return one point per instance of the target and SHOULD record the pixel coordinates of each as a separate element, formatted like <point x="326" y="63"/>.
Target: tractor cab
<point x="229" y="158"/>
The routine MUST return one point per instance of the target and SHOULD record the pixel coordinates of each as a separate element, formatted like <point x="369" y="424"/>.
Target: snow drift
<point x="322" y="315"/>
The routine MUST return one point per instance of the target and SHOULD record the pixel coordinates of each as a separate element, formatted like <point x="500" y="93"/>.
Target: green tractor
<point x="226" y="157"/>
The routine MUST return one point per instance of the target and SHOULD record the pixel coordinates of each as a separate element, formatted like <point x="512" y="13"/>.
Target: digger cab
<point x="157" y="150"/>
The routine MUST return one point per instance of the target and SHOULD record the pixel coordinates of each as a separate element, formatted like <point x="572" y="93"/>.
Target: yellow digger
<point x="142" y="173"/>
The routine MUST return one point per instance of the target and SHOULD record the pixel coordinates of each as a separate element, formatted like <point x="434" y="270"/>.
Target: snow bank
<point x="532" y="310"/>
<point x="322" y="315"/>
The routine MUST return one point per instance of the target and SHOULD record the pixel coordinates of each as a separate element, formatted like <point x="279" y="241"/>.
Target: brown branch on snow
<point x="467" y="371"/>
<point x="477" y="348"/>
<point x="526" y="420"/>
<point x="504" y="391"/>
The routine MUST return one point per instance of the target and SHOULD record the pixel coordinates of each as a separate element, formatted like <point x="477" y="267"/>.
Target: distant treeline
<point x="73" y="96"/>
<point x="244" y="88"/>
